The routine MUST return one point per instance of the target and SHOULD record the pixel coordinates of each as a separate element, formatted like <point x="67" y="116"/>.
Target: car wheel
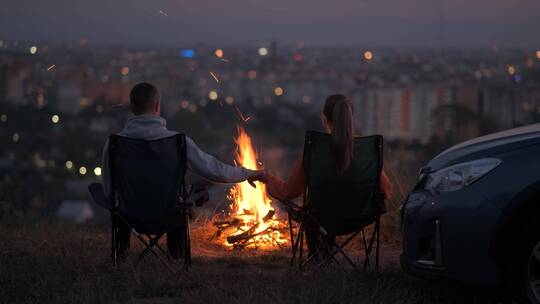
<point x="524" y="263"/>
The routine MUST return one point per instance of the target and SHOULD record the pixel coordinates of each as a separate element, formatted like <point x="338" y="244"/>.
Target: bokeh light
<point x="252" y="74"/>
<point x="124" y="71"/>
<point x="278" y="91"/>
<point x="3" y="117"/>
<point x="229" y="100"/>
<point x="213" y="95"/>
<point x="184" y="104"/>
<point x="69" y="164"/>
<point x="55" y="119"/>
<point x="538" y="54"/>
<point x="219" y="53"/>
<point x="368" y="55"/>
<point x="263" y="51"/>
<point x="33" y="49"/>
<point x="511" y="70"/>
<point x="16" y="137"/>
<point x="82" y="170"/>
<point x="97" y="171"/>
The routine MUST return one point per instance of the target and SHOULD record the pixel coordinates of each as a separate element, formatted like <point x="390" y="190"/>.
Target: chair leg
<point x="187" y="243"/>
<point x="114" y="240"/>
<point x="367" y="251"/>
<point x="378" y="227"/>
<point x="296" y="243"/>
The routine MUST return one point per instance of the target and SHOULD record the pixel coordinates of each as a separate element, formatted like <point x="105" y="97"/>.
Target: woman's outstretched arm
<point x="290" y="189"/>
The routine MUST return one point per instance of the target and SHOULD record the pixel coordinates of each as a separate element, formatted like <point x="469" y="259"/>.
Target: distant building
<point x="78" y="211"/>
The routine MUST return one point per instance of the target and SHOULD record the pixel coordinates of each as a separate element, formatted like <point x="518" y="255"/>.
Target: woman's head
<point x="337" y="117"/>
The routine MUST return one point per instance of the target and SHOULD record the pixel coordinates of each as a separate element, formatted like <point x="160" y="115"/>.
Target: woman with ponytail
<point x="337" y="119"/>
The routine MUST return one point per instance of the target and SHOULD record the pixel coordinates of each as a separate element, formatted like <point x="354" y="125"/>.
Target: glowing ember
<point x="242" y="117"/>
<point x="252" y="222"/>
<point x="214" y="76"/>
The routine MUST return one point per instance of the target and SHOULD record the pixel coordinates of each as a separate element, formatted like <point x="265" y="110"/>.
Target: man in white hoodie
<point x="149" y="125"/>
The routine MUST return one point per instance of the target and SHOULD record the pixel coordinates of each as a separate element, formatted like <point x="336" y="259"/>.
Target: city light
<point x="69" y="165"/>
<point x="263" y="51"/>
<point x="33" y="49"/>
<point x="125" y="71"/>
<point x="278" y="91"/>
<point x="213" y="95"/>
<point x="229" y="100"/>
<point x="82" y="170"/>
<point x="219" y="53"/>
<point x="252" y="74"/>
<point x="55" y="119"/>
<point x="192" y="108"/>
<point x="16" y="137"/>
<point x="511" y="70"/>
<point x="97" y="171"/>
<point x="187" y="53"/>
<point x="3" y="117"/>
<point x="368" y="55"/>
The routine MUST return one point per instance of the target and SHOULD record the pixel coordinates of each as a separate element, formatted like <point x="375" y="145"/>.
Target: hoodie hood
<point x="147" y="127"/>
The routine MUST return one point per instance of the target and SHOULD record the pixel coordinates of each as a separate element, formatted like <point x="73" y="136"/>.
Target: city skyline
<point x="417" y="23"/>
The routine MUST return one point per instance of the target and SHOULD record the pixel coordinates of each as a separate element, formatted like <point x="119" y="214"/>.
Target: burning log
<point x="242" y="236"/>
<point x="269" y="215"/>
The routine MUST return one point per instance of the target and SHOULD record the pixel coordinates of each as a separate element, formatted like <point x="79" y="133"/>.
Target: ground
<point x="56" y="263"/>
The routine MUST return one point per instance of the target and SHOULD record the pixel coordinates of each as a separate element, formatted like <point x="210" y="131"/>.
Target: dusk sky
<point x="246" y="22"/>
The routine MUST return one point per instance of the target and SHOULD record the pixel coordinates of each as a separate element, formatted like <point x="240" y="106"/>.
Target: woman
<point x="337" y="119"/>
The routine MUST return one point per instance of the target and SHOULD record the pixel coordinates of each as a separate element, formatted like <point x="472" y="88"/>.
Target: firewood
<point x="269" y="215"/>
<point x="242" y="236"/>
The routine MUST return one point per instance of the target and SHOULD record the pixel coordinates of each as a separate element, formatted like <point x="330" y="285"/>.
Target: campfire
<point x="252" y="221"/>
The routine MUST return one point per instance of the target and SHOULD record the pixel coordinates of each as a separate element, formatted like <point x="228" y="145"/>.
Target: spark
<point x="51" y="67"/>
<point x="214" y="76"/>
<point x="242" y="117"/>
<point x="163" y="13"/>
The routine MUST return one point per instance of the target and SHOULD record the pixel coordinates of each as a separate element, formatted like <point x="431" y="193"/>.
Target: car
<point x="474" y="214"/>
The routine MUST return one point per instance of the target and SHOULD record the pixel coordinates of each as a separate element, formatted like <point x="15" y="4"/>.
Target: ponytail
<point x="338" y="112"/>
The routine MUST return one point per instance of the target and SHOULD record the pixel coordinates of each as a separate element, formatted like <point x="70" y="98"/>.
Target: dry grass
<point x="69" y="264"/>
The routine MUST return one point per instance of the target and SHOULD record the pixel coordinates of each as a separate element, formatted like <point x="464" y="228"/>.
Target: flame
<point x="252" y="206"/>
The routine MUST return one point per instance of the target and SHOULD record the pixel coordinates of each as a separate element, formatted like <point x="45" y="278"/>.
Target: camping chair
<point x="149" y="193"/>
<point x="338" y="204"/>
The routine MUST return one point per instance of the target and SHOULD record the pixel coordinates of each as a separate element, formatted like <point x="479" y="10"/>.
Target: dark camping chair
<point x="149" y="193"/>
<point x="338" y="204"/>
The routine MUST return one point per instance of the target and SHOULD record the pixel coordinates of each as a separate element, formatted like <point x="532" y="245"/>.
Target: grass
<point x="53" y="263"/>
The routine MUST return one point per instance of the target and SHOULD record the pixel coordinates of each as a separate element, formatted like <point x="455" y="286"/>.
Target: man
<point x="149" y="125"/>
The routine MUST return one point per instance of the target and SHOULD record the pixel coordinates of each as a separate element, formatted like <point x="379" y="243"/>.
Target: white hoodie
<point x="151" y="127"/>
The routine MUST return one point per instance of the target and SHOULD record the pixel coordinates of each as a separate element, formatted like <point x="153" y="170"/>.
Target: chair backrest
<point x="148" y="178"/>
<point x="343" y="202"/>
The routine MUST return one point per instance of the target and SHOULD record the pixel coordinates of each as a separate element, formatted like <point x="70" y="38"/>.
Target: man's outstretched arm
<point x="215" y="170"/>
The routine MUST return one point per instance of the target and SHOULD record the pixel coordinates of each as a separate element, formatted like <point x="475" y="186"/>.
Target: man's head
<point x="144" y="99"/>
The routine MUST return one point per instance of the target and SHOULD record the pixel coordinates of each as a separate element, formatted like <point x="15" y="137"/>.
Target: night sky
<point x="410" y="23"/>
